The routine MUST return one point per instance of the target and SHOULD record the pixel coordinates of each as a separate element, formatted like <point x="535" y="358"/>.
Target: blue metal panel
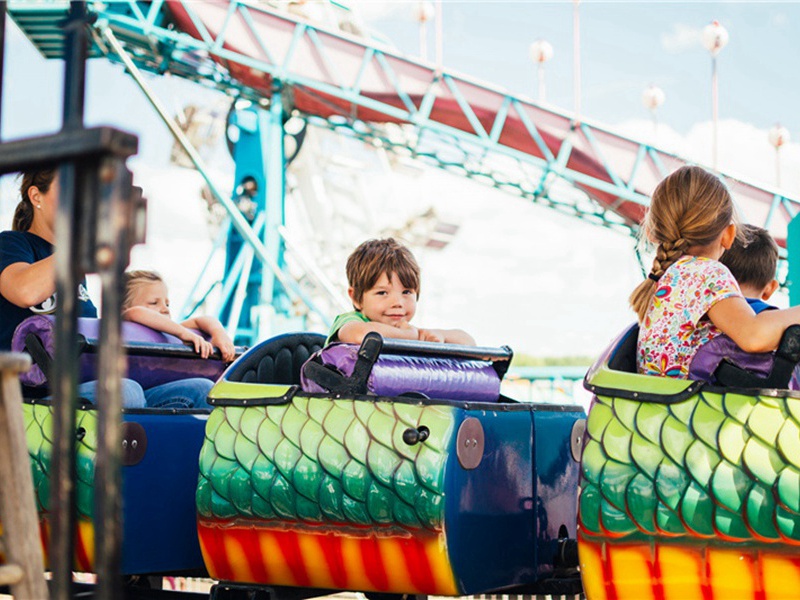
<point x="556" y="481"/>
<point x="160" y="527"/>
<point x="490" y="521"/>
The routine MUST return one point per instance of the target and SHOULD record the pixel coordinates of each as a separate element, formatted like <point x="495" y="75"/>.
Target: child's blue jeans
<point x="184" y="393"/>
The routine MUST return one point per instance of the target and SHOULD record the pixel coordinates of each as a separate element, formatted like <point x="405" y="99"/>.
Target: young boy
<point x="753" y="264"/>
<point x="384" y="282"/>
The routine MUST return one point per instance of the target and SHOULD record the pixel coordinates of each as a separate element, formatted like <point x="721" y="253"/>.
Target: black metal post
<point x="2" y="55"/>
<point x="110" y="258"/>
<point x="62" y="539"/>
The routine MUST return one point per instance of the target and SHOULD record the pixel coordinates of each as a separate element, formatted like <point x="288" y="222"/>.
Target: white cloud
<point x="779" y="19"/>
<point x="682" y="37"/>
<point x="373" y="10"/>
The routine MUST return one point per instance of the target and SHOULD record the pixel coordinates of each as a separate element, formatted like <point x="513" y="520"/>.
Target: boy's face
<point x="153" y="296"/>
<point x="388" y="301"/>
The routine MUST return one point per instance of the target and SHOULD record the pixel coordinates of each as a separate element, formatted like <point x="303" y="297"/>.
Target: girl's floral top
<point x="676" y="324"/>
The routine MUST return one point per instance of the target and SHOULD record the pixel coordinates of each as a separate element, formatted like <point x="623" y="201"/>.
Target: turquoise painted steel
<point x="275" y="167"/>
<point x="793" y="251"/>
<point x="480" y="139"/>
<point x="250" y="153"/>
<point x="452" y="122"/>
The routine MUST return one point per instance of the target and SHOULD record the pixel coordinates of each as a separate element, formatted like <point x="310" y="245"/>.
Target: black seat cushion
<point x="277" y="360"/>
<point x="624" y="355"/>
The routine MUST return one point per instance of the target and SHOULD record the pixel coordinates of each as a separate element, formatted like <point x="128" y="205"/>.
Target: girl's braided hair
<point x="690" y="207"/>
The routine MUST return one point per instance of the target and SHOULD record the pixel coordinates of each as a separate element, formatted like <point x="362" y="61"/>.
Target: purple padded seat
<point x="149" y="371"/>
<point x="395" y="375"/>
<point x="711" y="354"/>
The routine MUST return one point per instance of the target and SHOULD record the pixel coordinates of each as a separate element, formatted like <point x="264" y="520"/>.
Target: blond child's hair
<point x="690" y="207"/>
<point x="375" y="257"/>
<point x="134" y="280"/>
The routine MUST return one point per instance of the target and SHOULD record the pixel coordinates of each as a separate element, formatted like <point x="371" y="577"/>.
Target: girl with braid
<point x="689" y="297"/>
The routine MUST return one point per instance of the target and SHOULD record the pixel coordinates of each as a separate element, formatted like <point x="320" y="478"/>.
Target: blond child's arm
<point x="154" y="320"/>
<point x="219" y="337"/>
<point x="353" y="332"/>
<point x="752" y="332"/>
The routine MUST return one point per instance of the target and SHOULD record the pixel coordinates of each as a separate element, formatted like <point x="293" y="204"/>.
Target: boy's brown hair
<point x="375" y="257"/>
<point x="752" y="260"/>
<point x="133" y="280"/>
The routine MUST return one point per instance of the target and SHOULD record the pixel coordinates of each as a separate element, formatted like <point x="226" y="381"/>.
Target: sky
<point x="515" y="273"/>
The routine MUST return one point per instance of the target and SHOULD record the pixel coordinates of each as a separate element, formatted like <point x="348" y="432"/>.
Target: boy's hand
<point x="416" y="333"/>
<point x="201" y="346"/>
<point x="431" y="335"/>
<point x="222" y="340"/>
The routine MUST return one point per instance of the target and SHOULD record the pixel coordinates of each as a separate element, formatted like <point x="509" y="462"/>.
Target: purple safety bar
<point x="394" y="375"/>
<point x="149" y="371"/>
<point x="711" y="354"/>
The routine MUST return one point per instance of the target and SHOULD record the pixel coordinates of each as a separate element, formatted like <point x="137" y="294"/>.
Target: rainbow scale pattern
<point x="320" y="460"/>
<point x="724" y="467"/>
<point x="39" y="434"/>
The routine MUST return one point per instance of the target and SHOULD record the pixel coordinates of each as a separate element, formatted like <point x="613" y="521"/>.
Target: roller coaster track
<point x="410" y="107"/>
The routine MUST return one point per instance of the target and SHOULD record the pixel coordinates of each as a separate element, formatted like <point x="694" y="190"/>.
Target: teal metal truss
<point x="365" y="89"/>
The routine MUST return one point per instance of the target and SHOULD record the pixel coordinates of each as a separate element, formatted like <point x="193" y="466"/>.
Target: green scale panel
<point x="320" y="460"/>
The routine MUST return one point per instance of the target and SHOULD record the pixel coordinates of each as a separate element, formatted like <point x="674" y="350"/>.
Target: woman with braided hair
<point x="689" y="297"/>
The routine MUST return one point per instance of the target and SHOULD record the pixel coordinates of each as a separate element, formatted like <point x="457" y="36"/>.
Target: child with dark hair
<point x="753" y="261"/>
<point x="384" y="280"/>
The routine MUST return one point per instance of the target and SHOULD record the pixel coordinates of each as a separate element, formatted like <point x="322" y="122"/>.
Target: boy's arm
<point x="219" y="337"/>
<point x="447" y="336"/>
<point x="153" y="320"/>
<point x="353" y="332"/>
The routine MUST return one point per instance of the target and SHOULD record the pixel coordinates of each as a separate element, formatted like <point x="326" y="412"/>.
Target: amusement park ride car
<point x="418" y="487"/>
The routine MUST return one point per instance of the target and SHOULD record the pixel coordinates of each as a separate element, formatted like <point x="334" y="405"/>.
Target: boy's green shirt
<point x="340" y="320"/>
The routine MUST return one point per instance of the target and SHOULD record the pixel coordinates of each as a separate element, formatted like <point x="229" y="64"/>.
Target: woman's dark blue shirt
<point x="26" y="247"/>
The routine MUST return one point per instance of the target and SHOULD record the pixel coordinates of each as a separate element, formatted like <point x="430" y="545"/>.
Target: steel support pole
<point x="714" y="112"/>
<point x="237" y="220"/>
<point x="275" y="169"/>
<point x="793" y="259"/>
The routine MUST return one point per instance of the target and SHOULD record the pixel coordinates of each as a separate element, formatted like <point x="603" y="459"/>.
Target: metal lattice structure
<point x="349" y="83"/>
<point x="363" y="88"/>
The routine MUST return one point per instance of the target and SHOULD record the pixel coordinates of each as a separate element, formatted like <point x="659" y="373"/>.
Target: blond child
<point x="384" y="284"/>
<point x="689" y="297"/>
<point x="146" y="302"/>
